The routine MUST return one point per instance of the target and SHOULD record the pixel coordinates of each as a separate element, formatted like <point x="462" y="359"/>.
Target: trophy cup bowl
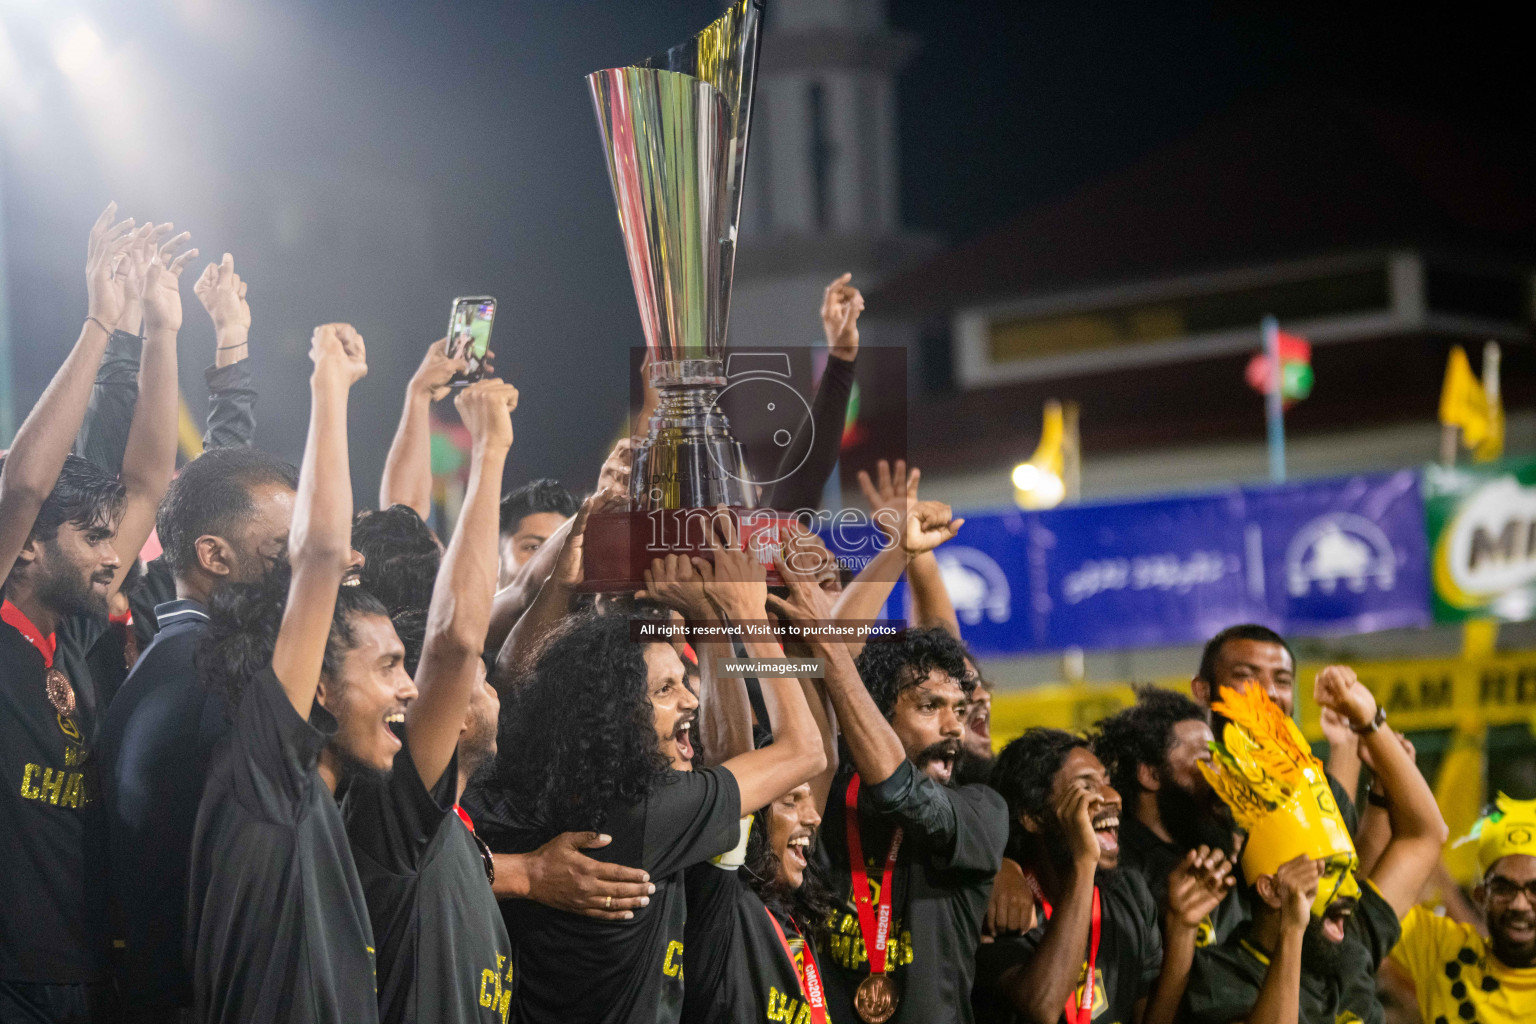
<point x="674" y="131"/>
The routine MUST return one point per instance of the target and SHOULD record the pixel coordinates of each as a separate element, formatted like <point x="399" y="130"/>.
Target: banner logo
<point x="1336" y="550"/>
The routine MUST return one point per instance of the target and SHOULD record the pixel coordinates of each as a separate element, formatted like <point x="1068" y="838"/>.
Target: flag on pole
<point x="1465" y="405"/>
<point x="1295" y="369"/>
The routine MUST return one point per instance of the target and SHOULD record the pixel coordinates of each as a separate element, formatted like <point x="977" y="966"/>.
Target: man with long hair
<point x="751" y="913"/>
<point x="1152" y="751"/>
<point x="600" y="737"/>
<point x="278" y="929"/>
<point x="1100" y="944"/>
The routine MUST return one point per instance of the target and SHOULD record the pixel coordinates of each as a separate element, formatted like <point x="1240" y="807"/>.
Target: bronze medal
<point x="60" y="693"/>
<point x="875" y="999"/>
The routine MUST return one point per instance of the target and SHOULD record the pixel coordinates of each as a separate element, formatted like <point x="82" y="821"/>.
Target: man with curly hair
<point x="910" y="855"/>
<point x="1152" y="751"/>
<point x="1097" y="950"/>
<point x="599" y="737"/>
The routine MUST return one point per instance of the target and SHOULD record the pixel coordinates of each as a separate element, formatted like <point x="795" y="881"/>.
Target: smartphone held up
<point x="469" y="336"/>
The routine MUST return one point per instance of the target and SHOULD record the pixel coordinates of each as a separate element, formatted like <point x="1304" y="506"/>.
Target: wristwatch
<point x="1375" y="723"/>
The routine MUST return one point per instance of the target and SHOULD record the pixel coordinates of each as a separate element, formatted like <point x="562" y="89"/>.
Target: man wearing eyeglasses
<point x="1458" y="974"/>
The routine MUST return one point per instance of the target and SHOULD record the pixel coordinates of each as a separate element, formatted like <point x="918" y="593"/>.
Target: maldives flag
<point x="1295" y="369"/>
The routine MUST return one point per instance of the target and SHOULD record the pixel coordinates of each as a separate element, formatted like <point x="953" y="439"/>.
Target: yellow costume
<point x="1264" y="770"/>
<point x="1454" y="971"/>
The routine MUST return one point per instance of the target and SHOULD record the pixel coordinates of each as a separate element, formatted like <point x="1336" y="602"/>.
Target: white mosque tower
<point x="822" y="187"/>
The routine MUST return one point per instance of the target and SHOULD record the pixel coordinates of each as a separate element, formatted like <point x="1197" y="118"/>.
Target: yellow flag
<point x="1463" y="403"/>
<point x="1460" y="793"/>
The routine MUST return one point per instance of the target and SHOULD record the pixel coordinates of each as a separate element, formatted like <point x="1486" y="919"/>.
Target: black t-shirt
<point x="1148" y="856"/>
<point x="52" y="892"/>
<point x="574" y="968"/>
<point x="277" y="929"/>
<point x="443" y="952"/>
<point x="1129" y="961"/>
<point x="1225" y="980"/>
<point x="951" y="849"/>
<point x="156" y="743"/>
<point x="738" y="971"/>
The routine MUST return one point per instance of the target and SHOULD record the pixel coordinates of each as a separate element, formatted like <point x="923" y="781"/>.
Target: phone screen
<point x="469" y="336"/>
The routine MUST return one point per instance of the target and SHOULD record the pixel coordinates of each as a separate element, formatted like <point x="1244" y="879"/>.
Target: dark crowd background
<point x="370" y="162"/>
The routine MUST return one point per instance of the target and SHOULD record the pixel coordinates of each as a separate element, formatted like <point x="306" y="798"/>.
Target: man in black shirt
<point x="1317" y="936"/>
<point x="277" y="926"/>
<point x="61" y="521"/>
<point x="1251" y="655"/>
<point x="443" y="952"/>
<point x="1096" y="949"/>
<point x="1152" y="750"/>
<point x="600" y="737"/>
<point x="224" y="520"/>
<point x="529" y="516"/>
<point x="909" y="855"/>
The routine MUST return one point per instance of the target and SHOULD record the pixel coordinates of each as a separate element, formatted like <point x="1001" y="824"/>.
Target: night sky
<point x="370" y="162"/>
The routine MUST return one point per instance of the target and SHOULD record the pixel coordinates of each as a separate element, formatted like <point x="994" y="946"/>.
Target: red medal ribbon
<point x="874" y="931"/>
<point x="1081" y="1013"/>
<point x="464" y="817"/>
<point x="810" y="982"/>
<point x="18" y="620"/>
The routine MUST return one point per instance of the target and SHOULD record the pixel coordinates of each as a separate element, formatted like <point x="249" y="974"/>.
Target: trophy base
<point x="618" y="547"/>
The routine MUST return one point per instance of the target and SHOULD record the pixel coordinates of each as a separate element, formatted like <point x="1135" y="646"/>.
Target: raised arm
<point x="1418" y="830"/>
<point x="320" y="540"/>
<point x="231" y="397"/>
<point x="37" y="454"/>
<point x="912" y="529"/>
<point x="819" y="441"/>
<point x="514" y="599"/>
<point x="1039" y="988"/>
<point x="149" y="460"/>
<point x="553" y="599"/>
<point x="1295" y="889"/>
<point x="461" y="597"/>
<point x="1196" y="887"/>
<point x="738" y="586"/>
<point x="407" y="478"/>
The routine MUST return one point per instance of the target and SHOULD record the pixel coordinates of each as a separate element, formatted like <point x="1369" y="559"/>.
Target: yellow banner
<point x="1418" y="695"/>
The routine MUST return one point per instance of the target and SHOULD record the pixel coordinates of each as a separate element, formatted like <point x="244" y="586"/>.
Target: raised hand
<point x="1338" y="689"/>
<point x="1296" y="884"/>
<point x="568" y="570"/>
<point x="736" y="583"/>
<point x="561" y="876"/>
<point x="222" y="293"/>
<point x="807" y="602"/>
<point x="105" y="277"/>
<point x="162" y="283"/>
<point x="841" y="305"/>
<point x="677" y="583"/>
<point x="1074" y="813"/>
<point x="929" y="524"/>
<point x="615" y="472"/>
<point x="1197" y="885"/>
<point x="486" y="409"/>
<point x="1011" y="907"/>
<point x="436" y="370"/>
<point x="889" y="496"/>
<point x="338" y="353"/>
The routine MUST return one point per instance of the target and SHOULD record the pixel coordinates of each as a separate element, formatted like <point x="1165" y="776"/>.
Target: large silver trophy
<point x="675" y="133"/>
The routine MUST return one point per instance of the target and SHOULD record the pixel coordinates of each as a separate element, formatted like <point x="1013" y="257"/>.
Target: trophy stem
<point x="689" y="458"/>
